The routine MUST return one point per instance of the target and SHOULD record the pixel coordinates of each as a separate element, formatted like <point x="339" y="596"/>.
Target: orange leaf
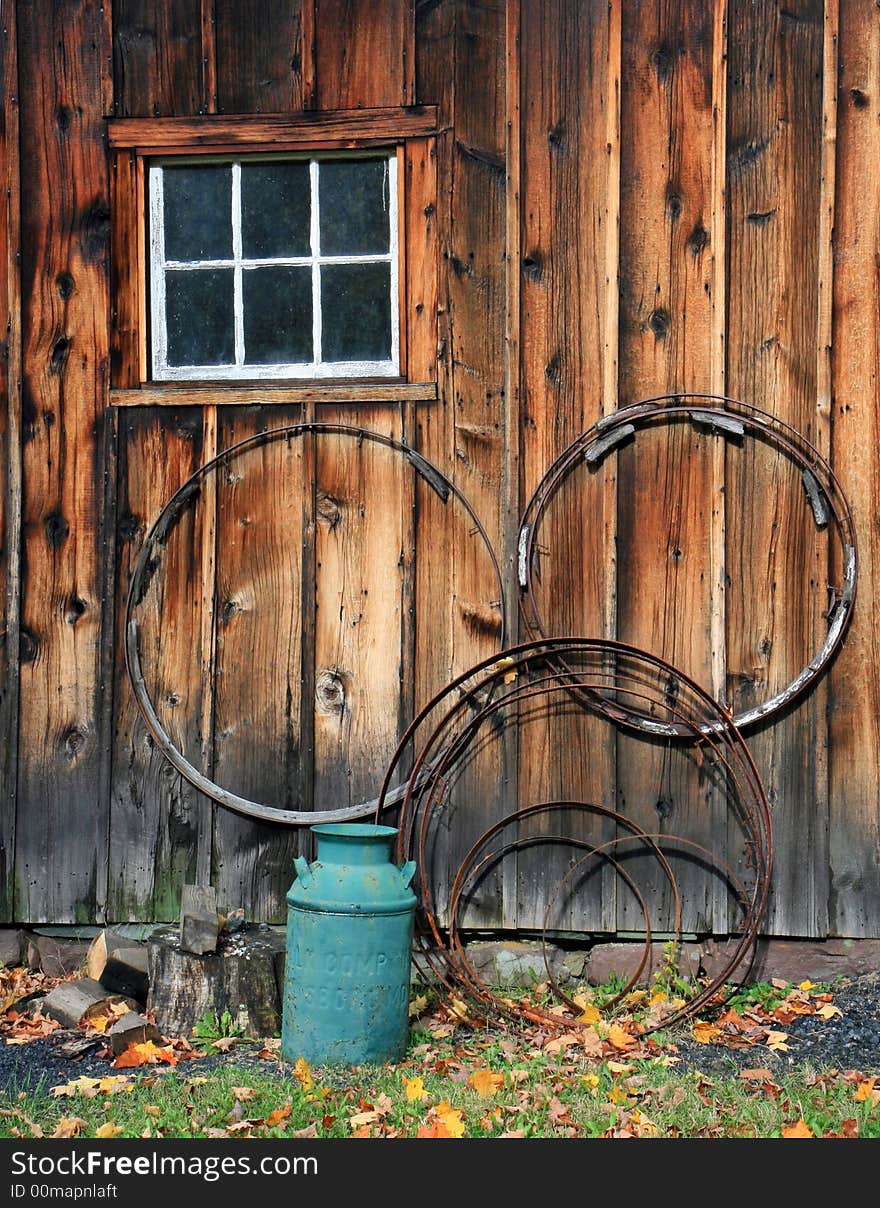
<point x="434" y="1129"/>
<point x="303" y="1073"/>
<point x="450" y="1118"/>
<point x="865" y="1091"/>
<point x="756" y="1075"/>
<point x="108" y="1130"/>
<point x="146" y="1053"/>
<point x="801" y="1129"/>
<point x="485" y="1083"/>
<point x="619" y="1038"/>
<point x="69" y="1126"/>
<point x="776" y="1043"/>
<point x="706" y="1033"/>
<point x="275" y="1117"/>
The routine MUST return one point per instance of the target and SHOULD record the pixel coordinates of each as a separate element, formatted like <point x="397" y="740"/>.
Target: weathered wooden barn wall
<point x="619" y="200"/>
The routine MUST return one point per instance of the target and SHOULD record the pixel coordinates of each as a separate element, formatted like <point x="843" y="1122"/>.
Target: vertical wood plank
<point x="667" y="489"/>
<point x="360" y="561"/>
<point x="259" y="56"/>
<point x="258" y="622"/>
<point x="854" y="765"/>
<point x="156" y="816"/>
<point x="461" y="67"/>
<point x="64" y="54"/>
<point x="361" y="53"/>
<point x="127" y="272"/>
<point x="10" y="465"/>
<point x="776" y="579"/>
<point x="568" y="268"/>
<point x="161" y="67"/>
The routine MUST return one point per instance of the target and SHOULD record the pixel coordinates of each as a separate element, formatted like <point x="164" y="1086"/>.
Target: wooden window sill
<point x="243" y="394"/>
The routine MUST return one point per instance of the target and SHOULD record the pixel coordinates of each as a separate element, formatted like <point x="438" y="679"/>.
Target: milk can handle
<point x="303" y="871"/>
<point x="407" y="872"/>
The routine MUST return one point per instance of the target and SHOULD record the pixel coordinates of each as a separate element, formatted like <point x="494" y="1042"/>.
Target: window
<point x="277" y="257"/>
<point x="274" y="267"/>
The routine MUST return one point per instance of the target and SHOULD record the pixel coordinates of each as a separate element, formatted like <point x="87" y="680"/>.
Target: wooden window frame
<point x="134" y="142"/>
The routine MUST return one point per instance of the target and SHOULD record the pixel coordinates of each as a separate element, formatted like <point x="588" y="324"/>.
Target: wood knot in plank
<point x="533" y="266"/>
<point x="859" y="98"/>
<point x="697" y="240"/>
<point x="662" y="60"/>
<point x="28" y="646"/>
<point x="57" y="529"/>
<point x="658" y="321"/>
<point x="329" y="510"/>
<point x="556" y="135"/>
<point x="73" y="741"/>
<point x="330" y="691"/>
<point x="674" y="204"/>
<point x="74" y="609"/>
<point x="59" y="355"/>
<point x="65" y="284"/>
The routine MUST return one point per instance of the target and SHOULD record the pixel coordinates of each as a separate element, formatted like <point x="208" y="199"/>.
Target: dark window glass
<point x="354" y="202"/>
<point x="356" y="312"/>
<point x="198" y="213"/>
<point x="277" y="315"/>
<point x="275" y="210"/>
<point x="199" y="317"/>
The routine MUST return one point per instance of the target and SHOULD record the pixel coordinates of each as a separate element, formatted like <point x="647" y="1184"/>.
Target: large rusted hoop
<point x="729" y="418"/>
<point x="146" y="566"/>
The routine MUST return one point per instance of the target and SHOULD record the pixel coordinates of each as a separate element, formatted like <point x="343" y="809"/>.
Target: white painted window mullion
<point x="157" y="270"/>
<point x="315" y="237"/>
<point x="237" y="283"/>
<point x="395" y="260"/>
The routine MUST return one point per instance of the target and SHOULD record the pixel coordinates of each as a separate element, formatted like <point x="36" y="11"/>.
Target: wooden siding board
<point x="159" y="62"/>
<point x="855" y="367"/>
<point x="359" y="579"/>
<point x="155" y="814"/>
<point x="259" y="57"/>
<point x="361" y="53"/>
<point x="10" y="455"/>
<point x="461" y="68"/>
<point x="63" y="56"/>
<point x="666" y="487"/>
<point x="258" y="623"/>
<point x="776" y="577"/>
<point x="567" y="261"/>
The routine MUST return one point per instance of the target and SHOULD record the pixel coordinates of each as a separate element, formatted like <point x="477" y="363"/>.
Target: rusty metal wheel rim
<point x="728" y="417"/>
<point x="143" y="573"/>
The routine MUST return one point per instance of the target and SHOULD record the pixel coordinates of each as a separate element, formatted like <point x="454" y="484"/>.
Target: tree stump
<point x="240" y="977"/>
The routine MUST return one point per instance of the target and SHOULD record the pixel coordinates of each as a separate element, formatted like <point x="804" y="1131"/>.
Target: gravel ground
<point x="850" y="1041"/>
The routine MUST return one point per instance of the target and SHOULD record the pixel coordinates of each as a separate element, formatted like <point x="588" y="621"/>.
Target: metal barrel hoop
<point x="729" y="418"/>
<point x="149" y="561"/>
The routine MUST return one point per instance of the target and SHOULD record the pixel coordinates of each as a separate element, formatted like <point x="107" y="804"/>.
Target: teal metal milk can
<point x="349" y="938"/>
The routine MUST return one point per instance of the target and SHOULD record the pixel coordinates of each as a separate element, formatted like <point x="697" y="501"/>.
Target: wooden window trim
<point x="134" y="141"/>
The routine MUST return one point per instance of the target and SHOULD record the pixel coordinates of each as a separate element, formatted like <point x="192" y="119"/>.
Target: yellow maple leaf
<point x="590" y="1014"/>
<point x="457" y="1009"/>
<point x="619" y="1038"/>
<point x="805" y="985"/>
<point x="114" y="1083"/>
<point x="417" y="1005"/>
<point x="450" y="1118"/>
<point x="108" y="1130"/>
<point x="485" y="1083"/>
<point x="303" y="1073"/>
<point x="275" y="1117"/>
<point x="801" y="1129"/>
<point x="828" y="1011"/>
<point x="776" y="1043"/>
<point x="865" y="1091"/>
<point x="590" y="1080"/>
<point x="100" y="1023"/>
<point x="415" y="1089"/>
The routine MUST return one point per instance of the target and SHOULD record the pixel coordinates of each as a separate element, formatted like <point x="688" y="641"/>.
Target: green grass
<point x="540" y="1096"/>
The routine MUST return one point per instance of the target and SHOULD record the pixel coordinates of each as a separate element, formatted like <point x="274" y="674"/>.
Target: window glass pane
<point x="277" y="315"/>
<point x="354" y="206"/>
<point x="199" y="317"/>
<point x="356" y="312"/>
<point x="198" y="213"/>
<point x="275" y="210"/>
